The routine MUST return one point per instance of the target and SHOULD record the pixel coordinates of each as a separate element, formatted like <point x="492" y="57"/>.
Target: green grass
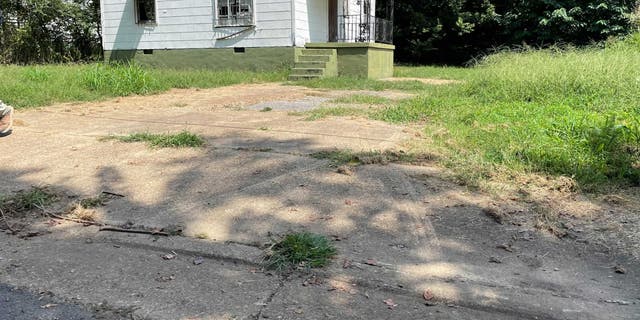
<point x="362" y="99"/>
<point x="35" y="86"/>
<point x="26" y="200"/>
<point x="571" y="112"/>
<point x="433" y="72"/>
<point x="300" y="250"/>
<point x="339" y="111"/>
<point x="183" y="139"/>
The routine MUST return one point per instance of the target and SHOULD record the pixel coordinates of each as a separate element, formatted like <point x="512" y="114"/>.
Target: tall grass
<point x="35" y="86"/>
<point x="573" y="112"/>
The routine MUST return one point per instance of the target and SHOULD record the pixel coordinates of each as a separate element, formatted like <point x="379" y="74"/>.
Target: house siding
<point x="189" y="24"/>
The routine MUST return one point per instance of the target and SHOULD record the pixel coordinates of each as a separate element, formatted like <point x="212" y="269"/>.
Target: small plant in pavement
<point x="300" y="250"/>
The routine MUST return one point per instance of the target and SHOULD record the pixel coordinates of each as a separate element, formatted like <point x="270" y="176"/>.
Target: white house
<point x="322" y="37"/>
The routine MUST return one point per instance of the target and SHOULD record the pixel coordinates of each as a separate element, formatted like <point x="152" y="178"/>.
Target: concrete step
<point x="311" y="64"/>
<point x="308" y="71"/>
<point x="313" y="58"/>
<point x="317" y="52"/>
<point x="298" y="77"/>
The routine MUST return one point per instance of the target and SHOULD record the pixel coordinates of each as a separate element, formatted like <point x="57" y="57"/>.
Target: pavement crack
<point x="269" y="298"/>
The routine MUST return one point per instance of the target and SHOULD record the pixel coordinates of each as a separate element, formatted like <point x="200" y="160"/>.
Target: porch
<point x="347" y="40"/>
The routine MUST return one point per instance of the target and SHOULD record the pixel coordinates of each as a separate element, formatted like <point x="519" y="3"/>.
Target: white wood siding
<point x="182" y="24"/>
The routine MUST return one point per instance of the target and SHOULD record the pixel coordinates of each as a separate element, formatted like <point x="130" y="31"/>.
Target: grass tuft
<point x="183" y="139"/>
<point x="300" y="250"/>
<point x="25" y="200"/>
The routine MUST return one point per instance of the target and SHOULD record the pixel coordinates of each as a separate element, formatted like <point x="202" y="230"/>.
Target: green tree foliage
<point x="455" y="31"/>
<point x="43" y="31"/>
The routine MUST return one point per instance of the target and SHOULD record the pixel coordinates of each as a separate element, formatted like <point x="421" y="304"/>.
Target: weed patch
<point x="300" y="250"/>
<point x="183" y="139"/>
<point x="26" y="200"/>
<point x="325" y="112"/>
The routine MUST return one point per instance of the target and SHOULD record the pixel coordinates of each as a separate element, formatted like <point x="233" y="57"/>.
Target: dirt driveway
<point x="401" y="230"/>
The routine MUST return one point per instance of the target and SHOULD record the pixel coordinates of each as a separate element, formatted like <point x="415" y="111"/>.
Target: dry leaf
<point x="619" y="269"/>
<point x="427" y="295"/>
<point x="198" y="260"/>
<point x="390" y="304"/>
<point x="371" y="262"/>
<point x="49" y="306"/>
<point x="170" y="256"/>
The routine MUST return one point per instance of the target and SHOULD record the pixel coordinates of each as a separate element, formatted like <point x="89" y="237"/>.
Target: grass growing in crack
<point x="348" y="157"/>
<point x="93" y="202"/>
<point x="26" y="200"/>
<point x="300" y="250"/>
<point x="183" y="139"/>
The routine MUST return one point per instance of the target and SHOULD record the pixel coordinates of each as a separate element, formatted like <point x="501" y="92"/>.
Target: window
<point x="145" y="11"/>
<point x="234" y="13"/>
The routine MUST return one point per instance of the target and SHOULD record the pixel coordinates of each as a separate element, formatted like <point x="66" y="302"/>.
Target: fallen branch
<point x="56" y="216"/>
<point x="154" y="233"/>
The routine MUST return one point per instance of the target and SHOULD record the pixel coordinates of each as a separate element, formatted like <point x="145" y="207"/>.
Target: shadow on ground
<point x="400" y="230"/>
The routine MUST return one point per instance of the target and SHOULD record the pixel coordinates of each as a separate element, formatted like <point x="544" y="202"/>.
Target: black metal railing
<point x="364" y="28"/>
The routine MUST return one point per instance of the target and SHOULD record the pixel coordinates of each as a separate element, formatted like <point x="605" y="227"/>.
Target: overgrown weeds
<point x="183" y="139"/>
<point x="300" y="251"/>
<point x="561" y="112"/>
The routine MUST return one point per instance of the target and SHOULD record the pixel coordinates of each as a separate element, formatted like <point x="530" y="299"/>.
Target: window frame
<point x="230" y="17"/>
<point x="136" y="11"/>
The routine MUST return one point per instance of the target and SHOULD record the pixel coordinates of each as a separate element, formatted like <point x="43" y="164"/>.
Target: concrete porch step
<point x="311" y="64"/>
<point x="314" y="58"/>
<point x="317" y="52"/>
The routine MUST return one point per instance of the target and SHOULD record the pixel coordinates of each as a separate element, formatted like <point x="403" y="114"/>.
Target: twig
<point x="6" y="221"/>
<point x="55" y="216"/>
<point x="114" y="229"/>
<point x="113" y="194"/>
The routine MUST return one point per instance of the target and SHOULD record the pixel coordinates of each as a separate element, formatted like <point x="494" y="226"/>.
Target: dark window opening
<point x="145" y="11"/>
<point x="147" y="51"/>
<point x="238" y="50"/>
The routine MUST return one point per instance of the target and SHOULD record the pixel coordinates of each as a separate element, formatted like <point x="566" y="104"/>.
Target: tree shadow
<point x="399" y="230"/>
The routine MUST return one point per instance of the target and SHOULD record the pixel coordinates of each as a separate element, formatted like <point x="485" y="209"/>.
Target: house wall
<point x="312" y="21"/>
<point x="182" y="24"/>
